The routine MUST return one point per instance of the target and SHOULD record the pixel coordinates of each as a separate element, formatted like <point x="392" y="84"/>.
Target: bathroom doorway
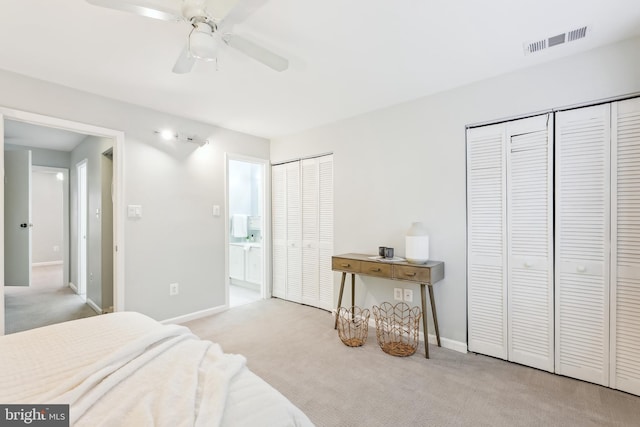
<point x="247" y="231"/>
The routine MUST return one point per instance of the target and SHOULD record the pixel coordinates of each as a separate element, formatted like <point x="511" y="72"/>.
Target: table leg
<point x="435" y="316"/>
<point x="353" y="296"/>
<point x="424" y="320"/>
<point x="344" y="275"/>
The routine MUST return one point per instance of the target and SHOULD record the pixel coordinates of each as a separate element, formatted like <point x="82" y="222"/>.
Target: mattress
<point x="127" y="369"/>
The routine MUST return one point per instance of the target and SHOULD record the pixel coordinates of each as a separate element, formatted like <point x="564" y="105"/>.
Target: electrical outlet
<point x="397" y="294"/>
<point x="174" y="289"/>
<point x="408" y="295"/>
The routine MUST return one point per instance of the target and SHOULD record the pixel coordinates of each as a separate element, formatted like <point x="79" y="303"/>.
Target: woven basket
<point x="353" y="326"/>
<point x="397" y="328"/>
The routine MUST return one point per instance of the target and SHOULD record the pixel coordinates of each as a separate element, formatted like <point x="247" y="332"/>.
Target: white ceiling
<point x="346" y="57"/>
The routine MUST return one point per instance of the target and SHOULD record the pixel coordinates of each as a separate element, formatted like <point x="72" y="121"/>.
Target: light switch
<point x="134" y="211"/>
<point x="216" y="210"/>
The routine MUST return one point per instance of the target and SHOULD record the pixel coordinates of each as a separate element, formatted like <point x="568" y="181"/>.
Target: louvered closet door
<point x="279" y="229"/>
<point x="582" y="243"/>
<point x="486" y="241"/>
<point x="625" y="277"/>
<point x="317" y="231"/>
<point x="294" y="233"/>
<point x="325" y="231"/>
<point x="530" y="241"/>
<point x="310" y="233"/>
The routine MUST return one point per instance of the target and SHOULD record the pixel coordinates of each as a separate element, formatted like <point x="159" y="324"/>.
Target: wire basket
<point x="353" y="326"/>
<point x="397" y="328"/>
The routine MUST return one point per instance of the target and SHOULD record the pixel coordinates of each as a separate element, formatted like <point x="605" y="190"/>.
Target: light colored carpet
<point x="296" y="349"/>
<point x="43" y="303"/>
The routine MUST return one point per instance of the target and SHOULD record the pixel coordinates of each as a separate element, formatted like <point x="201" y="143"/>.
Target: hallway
<point x="45" y="302"/>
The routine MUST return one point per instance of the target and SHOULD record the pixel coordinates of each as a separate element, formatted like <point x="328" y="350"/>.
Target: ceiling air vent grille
<point x="570" y="36"/>
<point x="580" y="33"/>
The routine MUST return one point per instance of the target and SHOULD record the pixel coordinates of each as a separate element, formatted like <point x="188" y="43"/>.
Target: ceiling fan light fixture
<point x="202" y="42"/>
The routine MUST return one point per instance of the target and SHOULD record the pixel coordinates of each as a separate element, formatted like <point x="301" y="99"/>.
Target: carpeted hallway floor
<point x="43" y="303"/>
<point x="296" y="350"/>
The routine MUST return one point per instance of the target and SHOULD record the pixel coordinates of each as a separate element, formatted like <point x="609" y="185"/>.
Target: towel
<point x="239" y="225"/>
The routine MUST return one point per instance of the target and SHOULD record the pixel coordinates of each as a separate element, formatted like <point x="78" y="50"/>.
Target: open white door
<point x="17" y="219"/>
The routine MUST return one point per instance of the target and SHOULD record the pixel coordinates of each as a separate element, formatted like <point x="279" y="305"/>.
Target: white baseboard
<point x="45" y="263"/>
<point x="450" y="344"/>
<point x="459" y="346"/>
<point x="94" y="306"/>
<point x="196" y="315"/>
<point x="73" y="287"/>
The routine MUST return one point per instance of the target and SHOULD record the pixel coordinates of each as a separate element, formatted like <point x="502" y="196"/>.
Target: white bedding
<point x="127" y="369"/>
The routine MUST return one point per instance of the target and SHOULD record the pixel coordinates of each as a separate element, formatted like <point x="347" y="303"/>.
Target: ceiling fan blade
<point x="260" y="54"/>
<point x="166" y="10"/>
<point x="242" y="10"/>
<point x="185" y="62"/>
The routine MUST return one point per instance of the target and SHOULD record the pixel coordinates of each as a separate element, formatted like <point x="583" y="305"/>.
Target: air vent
<point x="570" y="36"/>
<point x="580" y="33"/>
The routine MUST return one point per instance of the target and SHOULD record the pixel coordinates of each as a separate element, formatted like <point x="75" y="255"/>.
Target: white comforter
<point x="144" y="374"/>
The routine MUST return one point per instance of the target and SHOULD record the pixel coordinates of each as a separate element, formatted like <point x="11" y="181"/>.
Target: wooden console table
<point x="423" y="274"/>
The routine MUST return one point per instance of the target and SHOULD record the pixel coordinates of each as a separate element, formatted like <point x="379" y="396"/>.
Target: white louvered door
<point x="310" y="232"/>
<point x="486" y="241"/>
<point x="317" y="231"/>
<point x="294" y="233"/>
<point x="302" y="216"/>
<point x="582" y="243"/>
<point x="279" y="230"/>
<point x="325" y="231"/>
<point x="530" y="241"/>
<point x="625" y="253"/>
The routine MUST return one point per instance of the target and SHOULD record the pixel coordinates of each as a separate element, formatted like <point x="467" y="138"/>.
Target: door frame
<point x="265" y="288"/>
<point x="82" y="212"/>
<point x="65" y="215"/>
<point x="118" y="189"/>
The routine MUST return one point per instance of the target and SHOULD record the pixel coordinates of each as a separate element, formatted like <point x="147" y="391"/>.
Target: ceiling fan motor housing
<point x="195" y="10"/>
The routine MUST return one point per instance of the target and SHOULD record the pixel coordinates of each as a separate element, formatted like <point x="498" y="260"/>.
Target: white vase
<point x="417" y="244"/>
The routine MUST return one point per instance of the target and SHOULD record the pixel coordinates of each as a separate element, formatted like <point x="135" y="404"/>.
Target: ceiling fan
<point x="211" y="22"/>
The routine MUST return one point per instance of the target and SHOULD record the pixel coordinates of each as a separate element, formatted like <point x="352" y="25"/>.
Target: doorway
<point x="117" y="217"/>
<point x="247" y="234"/>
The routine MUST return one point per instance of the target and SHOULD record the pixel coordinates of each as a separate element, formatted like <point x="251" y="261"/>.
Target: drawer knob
<point x="411" y="274"/>
<point x="345" y="265"/>
<point x="375" y="269"/>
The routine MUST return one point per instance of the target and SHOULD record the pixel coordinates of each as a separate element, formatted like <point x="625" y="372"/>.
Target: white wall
<point x="407" y="163"/>
<point x="42" y="156"/>
<point x="47" y="217"/>
<point x="178" y="239"/>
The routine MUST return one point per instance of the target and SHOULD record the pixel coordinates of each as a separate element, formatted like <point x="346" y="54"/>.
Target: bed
<point x="126" y="369"/>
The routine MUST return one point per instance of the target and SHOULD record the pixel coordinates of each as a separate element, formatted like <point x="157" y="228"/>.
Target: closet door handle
<point x="528" y="264"/>
<point x="581" y="269"/>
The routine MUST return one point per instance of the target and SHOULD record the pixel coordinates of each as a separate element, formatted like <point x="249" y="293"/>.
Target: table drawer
<point x="375" y="269"/>
<point x="415" y="274"/>
<point x="345" y="264"/>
